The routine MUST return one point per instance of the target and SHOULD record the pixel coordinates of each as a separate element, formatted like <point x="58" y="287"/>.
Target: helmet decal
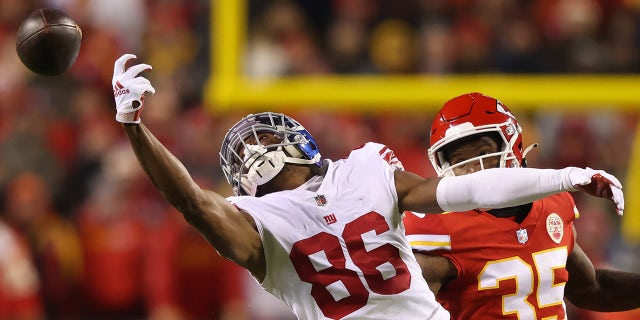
<point x="501" y="108"/>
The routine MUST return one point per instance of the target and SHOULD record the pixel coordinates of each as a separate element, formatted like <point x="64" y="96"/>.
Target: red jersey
<point x="506" y="270"/>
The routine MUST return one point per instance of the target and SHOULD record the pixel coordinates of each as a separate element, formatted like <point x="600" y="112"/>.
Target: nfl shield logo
<point x="320" y="200"/>
<point x="523" y="237"/>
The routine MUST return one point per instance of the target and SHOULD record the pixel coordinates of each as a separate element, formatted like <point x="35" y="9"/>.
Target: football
<point x="48" y="41"/>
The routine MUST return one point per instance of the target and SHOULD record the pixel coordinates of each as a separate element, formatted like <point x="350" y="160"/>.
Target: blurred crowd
<point x="83" y="233"/>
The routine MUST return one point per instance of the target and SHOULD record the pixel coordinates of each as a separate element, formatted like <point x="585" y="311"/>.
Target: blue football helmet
<point x="247" y="166"/>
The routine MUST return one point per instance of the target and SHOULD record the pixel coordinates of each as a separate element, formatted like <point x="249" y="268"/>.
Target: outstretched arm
<point x="501" y="187"/>
<point x="600" y="289"/>
<point x="229" y="230"/>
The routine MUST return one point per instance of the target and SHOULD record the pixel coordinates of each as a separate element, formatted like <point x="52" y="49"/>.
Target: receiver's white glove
<point x="129" y="89"/>
<point x="597" y="183"/>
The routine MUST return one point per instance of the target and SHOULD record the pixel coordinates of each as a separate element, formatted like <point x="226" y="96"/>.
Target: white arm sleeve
<point x="501" y="187"/>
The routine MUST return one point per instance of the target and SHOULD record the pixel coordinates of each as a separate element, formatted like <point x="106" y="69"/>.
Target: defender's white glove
<point x="129" y="89"/>
<point x="597" y="183"/>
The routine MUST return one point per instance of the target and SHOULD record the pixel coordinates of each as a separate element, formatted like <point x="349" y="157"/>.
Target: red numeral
<point x="321" y="279"/>
<point x="335" y="269"/>
<point x="367" y="261"/>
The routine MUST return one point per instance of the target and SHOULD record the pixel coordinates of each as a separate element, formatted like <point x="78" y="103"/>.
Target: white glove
<point x="597" y="183"/>
<point x="129" y="89"/>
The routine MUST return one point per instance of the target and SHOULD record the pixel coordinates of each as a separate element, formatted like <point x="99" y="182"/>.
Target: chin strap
<point x="529" y="148"/>
<point x="524" y="164"/>
<point x="265" y="164"/>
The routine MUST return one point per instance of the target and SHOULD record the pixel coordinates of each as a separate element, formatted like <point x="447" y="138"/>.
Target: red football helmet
<point x="470" y="114"/>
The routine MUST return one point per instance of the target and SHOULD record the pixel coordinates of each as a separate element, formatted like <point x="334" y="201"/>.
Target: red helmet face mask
<point x="472" y="114"/>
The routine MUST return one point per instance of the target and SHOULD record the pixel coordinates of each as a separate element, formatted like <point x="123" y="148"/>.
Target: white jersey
<point x="335" y="247"/>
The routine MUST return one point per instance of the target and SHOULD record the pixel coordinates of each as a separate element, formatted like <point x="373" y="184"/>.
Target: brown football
<point x="48" y="41"/>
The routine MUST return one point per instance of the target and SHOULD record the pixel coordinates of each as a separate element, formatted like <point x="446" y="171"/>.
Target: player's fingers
<point x="135" y="70"/>
<point x="144" y="88"/>
<point x="118" y="66"/>
<point x="618" y="198"/>
<point x="141" y="84"/>
<point x="139" y="81"/>
<point x="611" y="178"/>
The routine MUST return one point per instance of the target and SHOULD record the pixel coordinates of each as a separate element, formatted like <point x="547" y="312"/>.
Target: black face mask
<point x="519" y="212"/>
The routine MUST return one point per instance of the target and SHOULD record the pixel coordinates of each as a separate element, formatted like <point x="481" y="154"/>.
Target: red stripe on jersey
<point x="388" y="155"/>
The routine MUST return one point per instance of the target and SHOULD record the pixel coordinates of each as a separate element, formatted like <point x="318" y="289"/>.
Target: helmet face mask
<point x="246" y="166"/>
<point x="469" y="115"/>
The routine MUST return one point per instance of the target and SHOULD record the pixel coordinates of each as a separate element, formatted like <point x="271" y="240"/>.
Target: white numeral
<point x="548" y="292"/>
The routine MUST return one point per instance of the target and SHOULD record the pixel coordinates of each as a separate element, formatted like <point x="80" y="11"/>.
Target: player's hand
<point x="598" y="183"/>
<point x="129" y="89"/>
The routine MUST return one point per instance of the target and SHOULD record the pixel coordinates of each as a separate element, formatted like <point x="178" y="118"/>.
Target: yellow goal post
<point x="229" y="89"/>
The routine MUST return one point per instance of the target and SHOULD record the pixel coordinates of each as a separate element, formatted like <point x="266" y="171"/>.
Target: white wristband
<point x="129" y="117"/>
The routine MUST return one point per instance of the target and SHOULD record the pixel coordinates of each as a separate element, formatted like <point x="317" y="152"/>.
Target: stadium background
<point x="97" y="242"/>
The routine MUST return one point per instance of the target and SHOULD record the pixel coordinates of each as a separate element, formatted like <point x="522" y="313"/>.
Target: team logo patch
<point x="555" y="227"/>
<point x="522" y="235"/>
<point x="330" y="219"/>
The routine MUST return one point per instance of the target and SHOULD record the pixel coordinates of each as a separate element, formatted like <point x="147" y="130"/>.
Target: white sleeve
<point x="501" y="187"/>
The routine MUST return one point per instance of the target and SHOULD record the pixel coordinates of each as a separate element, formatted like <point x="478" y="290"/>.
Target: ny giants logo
<point x="321" y="201"/>
<point x="330" y="219"/>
